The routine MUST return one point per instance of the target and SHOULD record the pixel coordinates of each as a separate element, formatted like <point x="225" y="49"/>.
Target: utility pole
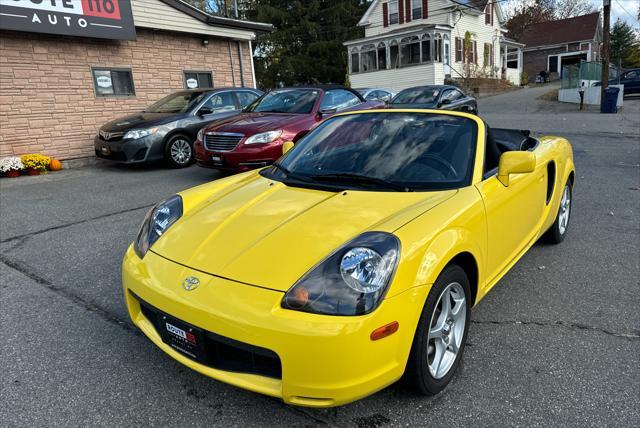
<point x="604" y="79"/>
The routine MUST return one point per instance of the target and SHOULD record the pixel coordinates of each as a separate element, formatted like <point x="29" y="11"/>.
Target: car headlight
<point x="200" y="136"/>
<point x="156" y="222"/>
<point x="351" y="281"/>
<point x="264" y="137"/>
<point x="134" y="134"/>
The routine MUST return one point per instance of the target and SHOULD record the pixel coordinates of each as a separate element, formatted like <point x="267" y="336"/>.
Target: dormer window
<point x="416" y="9"/>
<point x="393" y="12"/>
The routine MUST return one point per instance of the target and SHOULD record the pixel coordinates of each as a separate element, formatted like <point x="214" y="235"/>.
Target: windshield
<point x="383" y="151"/>
<point x="416" y="96"/>
<point x="286" y="101"/>
<point x="180" y="102"/>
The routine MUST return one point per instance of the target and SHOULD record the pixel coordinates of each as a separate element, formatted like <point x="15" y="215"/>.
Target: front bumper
<point x="241" y="158"/>
<point x="143" y="149"/>
<point x="325" y="360"/>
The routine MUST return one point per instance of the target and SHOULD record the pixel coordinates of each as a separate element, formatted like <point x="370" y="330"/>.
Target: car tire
<point x="439" y="333"/>
<point x="178" y="151"/>
<point x="558" y="229"/>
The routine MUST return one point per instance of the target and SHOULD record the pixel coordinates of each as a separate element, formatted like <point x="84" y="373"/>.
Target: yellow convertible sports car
<point x="353" y="260"/>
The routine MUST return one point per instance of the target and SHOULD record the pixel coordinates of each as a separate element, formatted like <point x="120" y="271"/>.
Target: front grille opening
<point x="221" y="142"/>
<point x="223" y="353"/>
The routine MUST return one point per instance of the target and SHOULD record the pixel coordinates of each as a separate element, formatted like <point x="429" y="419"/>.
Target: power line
<point x="626" y="11"/>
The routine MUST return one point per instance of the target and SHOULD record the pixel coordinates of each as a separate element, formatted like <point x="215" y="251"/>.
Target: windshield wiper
<point x="289" y="174"/>
<point x="357" y="178"/>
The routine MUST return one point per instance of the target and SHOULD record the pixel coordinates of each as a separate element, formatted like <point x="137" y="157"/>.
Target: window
<point x="368" y="58"/>
<point x="553" y="64"/>
<point x="393" y="50"/>
<point x="447" y="56"/>
<point x="437" y="48"/>
<point x="339" y="99"/>
<point x="219" y="103"/>
<point x="393" y="12"/>
<point x="416" y="9"/>
<point x="426" y="48"/>
<point x="487" y="54"/>
<point x="198" y="79"/>
<point x="459" y="49"/>
<point x="355" y="62"/>
<point x="472" y="52"/>
<point x="113" y="82"/>
<point x="487" y="14"/>
<point x="402" y="148"/>
<point x="410" y="51"/>
<point x="299" y="101"/>
<point x="382" y="57"/>
<point x="245" y="98"/>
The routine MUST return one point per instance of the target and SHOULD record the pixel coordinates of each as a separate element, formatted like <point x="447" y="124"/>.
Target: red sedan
<point x="255" y="137"/>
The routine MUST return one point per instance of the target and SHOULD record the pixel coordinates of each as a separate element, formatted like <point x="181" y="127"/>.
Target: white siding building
<point x="422" y="42"/>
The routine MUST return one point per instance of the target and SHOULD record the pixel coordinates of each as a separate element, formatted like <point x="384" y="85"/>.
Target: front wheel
<point x="558" y="230"/>
<point x="179" y="151"/>
<point x="442" y="332"/>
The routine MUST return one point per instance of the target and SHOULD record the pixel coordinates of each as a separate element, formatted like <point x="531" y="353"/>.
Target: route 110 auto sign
<point x="105" y="19"/>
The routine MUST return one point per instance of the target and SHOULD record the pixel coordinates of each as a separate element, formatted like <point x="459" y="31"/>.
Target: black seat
<point x="492" y="152"/>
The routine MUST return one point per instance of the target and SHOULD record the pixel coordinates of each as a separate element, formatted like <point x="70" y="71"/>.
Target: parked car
<point x="376" y="94"/>
<point x="630" y="79"/>
<point x="353" y="260"/>
<point x="255" y="137"/>
<point x="442" y="97"/>
<point x="168" y="128"/>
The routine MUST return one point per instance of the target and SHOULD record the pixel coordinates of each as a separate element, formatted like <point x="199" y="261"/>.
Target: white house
<point x="422" y="42"/>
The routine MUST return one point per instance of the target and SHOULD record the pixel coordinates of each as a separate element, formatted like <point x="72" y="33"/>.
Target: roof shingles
<point x="562" y="31"/>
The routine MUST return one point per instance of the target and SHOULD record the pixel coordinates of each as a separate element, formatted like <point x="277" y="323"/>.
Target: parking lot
<point x="557" y="342"/>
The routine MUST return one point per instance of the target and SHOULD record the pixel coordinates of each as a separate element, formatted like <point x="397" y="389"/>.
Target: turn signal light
<point x="384" y="331"/>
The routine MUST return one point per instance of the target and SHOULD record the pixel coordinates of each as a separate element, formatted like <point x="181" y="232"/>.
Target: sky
<point x="618" y="8"/>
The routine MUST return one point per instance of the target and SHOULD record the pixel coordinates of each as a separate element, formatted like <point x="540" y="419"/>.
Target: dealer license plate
<point x="183" y="338"/>
<point x="216" y="158"/>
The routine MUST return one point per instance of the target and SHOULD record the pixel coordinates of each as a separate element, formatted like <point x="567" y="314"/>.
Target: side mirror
<point x="326" y="111"/>
<point x="204" y="111"/>
<point x="288" y="145"/>
<point x="515" y="163"/>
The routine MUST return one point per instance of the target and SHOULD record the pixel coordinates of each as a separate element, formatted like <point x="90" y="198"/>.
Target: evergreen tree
<point x="625" y="46"/>
<point x="306" y="46"/>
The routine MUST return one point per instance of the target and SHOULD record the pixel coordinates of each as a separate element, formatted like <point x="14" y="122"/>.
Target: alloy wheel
<point x="446" y="330"/>
<point x="180" y="151"/>
<point x="565" y="210"/>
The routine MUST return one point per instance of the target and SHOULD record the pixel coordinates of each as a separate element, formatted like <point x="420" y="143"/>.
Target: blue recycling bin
<point x="610" y="100"/>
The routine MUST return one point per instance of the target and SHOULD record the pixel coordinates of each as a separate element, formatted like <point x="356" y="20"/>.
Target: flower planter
<point x="12" y="174"/>
<point x="32" y="171"/>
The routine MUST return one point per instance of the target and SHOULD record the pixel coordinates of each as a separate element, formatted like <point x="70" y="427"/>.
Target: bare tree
<point x="570" y="8"/>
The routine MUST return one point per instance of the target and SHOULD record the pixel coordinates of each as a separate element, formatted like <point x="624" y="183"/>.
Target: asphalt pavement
<point x="556" y="343"/>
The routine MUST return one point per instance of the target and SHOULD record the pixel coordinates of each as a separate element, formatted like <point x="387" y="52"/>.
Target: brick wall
<point x="47" y="99"/>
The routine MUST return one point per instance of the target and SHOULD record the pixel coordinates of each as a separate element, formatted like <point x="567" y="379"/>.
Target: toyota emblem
<point x="190" y="283"/>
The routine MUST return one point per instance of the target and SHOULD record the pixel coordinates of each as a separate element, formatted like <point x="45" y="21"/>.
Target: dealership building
<point x="68" y="66"/>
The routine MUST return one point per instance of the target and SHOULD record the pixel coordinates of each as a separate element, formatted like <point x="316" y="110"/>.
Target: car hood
<point x="268" y="234"/>
<point x="253" y="123"/>
<point x="140" y="120"/>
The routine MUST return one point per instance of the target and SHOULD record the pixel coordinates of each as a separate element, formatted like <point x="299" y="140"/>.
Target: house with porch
<point x="552" y="45"/>
<point x="423" y="42"/>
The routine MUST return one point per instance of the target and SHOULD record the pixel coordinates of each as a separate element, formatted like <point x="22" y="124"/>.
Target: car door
<point x="514" y="214"/>
<point x="447" y="100"/>
<point x="337" y="100"/>
<point x="217" y="106"/>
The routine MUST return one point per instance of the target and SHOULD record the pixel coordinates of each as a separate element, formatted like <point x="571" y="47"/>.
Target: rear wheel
<point x="442" y="332"/>
<point x="179" y="151"/>
<point x="558" y="230"/>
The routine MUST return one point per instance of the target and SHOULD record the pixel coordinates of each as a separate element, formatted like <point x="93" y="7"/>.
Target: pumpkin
<point x="55" y="165"/>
